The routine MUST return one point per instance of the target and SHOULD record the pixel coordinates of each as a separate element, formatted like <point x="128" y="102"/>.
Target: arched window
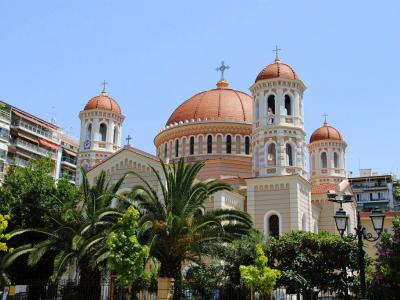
<point x="271" y="109"/>
<point x="324" y="160"/>
<point x="238" y="145"/>
<point x="176" y="148"/>
<point x="289" y="155"/>
<point x="103" y="132"/>
<point x="271" y="155"/>
<point x="191" y="146"/>
<point x="288" y="105"/>
<point x="271" y="104"/>
<point x="89" y="132"/>
<point x="273" y="226"/>
<point x="256" y="157"/>
<point x="115" y="139"/>
<point x="228" y="144"/>
<point x="165" y="151"/>
<point x="209" y="144"/>
<point x="256" y="110"/>
<point x="247" y="145"/>
<point x="335" y="160"/>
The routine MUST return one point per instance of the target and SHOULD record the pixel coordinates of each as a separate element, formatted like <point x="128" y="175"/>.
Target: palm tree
<point x="172" y="221"/>
<point x="79" y="235"/>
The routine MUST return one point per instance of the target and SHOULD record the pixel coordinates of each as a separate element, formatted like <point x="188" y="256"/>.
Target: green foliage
<point x="259" y="277"/>
<point x="310" y="261"/>
<point x="386" y="275"/>
<point x="4" y="237"/>
<point x="396" y="190"/>
<point x="172" y="222"/>
<point x="126" y="255"/>
<point x="76" y="229"/>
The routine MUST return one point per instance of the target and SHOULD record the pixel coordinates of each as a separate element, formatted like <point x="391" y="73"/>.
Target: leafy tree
<point x="126" y="255"/>
<point x="396" y="190"/>
<point x="309" y="261"/>
<point x="172" y="222"/>
<point x="386" y="275"/>
<point x="259" y="277"/>
<point x="4" y="237"/>
<point x="77" y="234"/>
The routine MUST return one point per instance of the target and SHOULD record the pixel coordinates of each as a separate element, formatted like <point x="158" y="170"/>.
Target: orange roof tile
<point x="323" y="188"/>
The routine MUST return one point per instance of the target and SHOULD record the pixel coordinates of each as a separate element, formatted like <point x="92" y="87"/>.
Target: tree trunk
<point x="89" y="282"/>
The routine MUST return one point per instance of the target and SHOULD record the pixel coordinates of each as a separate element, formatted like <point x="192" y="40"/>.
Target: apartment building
<point x="373" y="190"/>
<point x="24" y="137"/>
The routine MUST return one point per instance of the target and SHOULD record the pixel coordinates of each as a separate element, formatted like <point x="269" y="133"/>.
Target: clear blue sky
<point x="156" y="54"/>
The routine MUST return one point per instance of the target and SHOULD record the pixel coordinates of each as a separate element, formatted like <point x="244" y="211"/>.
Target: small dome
<point x="277" y="70"/>
<point x="103" y="102"/>
<point x="221" y="103"/>
<point x="326" y="132"/>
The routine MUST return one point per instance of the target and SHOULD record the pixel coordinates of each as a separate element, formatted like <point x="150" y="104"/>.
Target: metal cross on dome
<point x="104" y="86"/>
<point x="128" y="140"/>
<point x="222" y="69"/>
<point x="276" y="50"/>
<point x="324" y="115"/>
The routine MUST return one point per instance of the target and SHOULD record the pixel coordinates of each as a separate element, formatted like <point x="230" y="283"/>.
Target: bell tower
<point x="101" y="129"/>
<point x="279" y="194"/>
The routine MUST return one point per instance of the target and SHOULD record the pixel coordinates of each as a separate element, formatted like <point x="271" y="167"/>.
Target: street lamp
<point x="377" y="219"/>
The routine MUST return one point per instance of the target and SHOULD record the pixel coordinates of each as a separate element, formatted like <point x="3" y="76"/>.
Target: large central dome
<point x="220" y="104"/>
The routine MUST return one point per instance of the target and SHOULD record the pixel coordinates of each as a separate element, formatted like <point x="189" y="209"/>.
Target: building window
<point x="271" y="109"/>
<point x="89" y="132"/>
<point x="324" y="160"/>
<point x="273" y="226"/>
<point x="335" y="160"/>
<point x="176" y="148"/>
<point x="228" y="144"/>
<point x="103" y="132"/>
<point x="288" y="105"/>
<point x="289" y="155"/>
<point x="247" y="145"/>
<point x="115" y="135"/>
<point x="271" y="155"/>
<point x="191" y="146"/>
<point x="165" y="151"/>
<point x="209" y="144"/>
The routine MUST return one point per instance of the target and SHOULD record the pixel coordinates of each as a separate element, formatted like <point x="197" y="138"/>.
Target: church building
<point x="256" y="142"/>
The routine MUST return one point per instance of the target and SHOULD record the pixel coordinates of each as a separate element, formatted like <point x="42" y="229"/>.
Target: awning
<point x="72" y="153"/>
<point x="48" y="144"/>
<point x="28" y="137"/>
<point x="35" y="120"/>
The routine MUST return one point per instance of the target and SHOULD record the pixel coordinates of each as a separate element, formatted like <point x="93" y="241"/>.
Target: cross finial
<point x="128" y="140"/>
<point x="104" y="86"/>
<point x="222" y="69"/>
<point x="276" y="50"/>
<point x="325" y="115"/>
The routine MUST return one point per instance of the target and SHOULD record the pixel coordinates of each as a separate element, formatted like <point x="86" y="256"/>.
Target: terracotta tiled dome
<point x="326" y="132"/>
<point x="277" y="70"/>
<point x="221" y="103"/>
<point x="103" y="102"/>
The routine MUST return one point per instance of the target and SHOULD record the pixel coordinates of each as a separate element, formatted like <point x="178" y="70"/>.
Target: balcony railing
<point x="369" y="186"/>
<point x="32" y="147"/>
<point x="35" y="130"/>
<point x="69" y="160"/>
<point x="5" y="115"/>
<point x="67" y="175"/>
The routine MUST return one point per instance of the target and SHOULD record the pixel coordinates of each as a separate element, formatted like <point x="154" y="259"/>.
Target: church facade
<point x="256" y="143"/>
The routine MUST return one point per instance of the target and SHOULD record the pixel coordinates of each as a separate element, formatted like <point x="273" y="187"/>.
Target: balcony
<point x="68" y="175"/>
<point x="35" y="129"/>
<point x="32" y="148"/>
<point x="69" y="161"/>
<point x="374" y="186"/>
<point x="3" y="155"/>
<point x="5" y="116"/>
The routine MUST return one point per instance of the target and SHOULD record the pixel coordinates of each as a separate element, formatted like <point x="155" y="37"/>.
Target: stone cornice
<point x="201" y="128"/>
<point x="277" y="82"/>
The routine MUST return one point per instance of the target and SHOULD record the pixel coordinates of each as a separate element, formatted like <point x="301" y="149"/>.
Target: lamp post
<point x="341" y="220"/>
